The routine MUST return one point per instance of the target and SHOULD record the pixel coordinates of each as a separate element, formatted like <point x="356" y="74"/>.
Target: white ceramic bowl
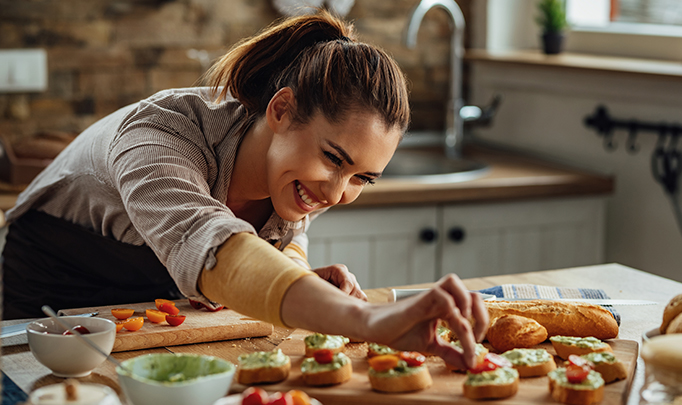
<point x="646" y="336"/>
<point x="88" y="394"/>
<point x="68" y="356"/>
<point x="175" y="379"/>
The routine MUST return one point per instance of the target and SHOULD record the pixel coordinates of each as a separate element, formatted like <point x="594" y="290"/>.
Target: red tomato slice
<point x="576" y="374"/>
<point x="281" y="398"/>
<point x="498" y="360"/>
<point x="323" y="356"/>
<point x="201" y="305"/>
<point x="483" y="366"/>
<point x="160" y="301"/>
<point x="169" y="308"/>
<point x="413" y="359"/>
<point x="175" y="320"/>
<point x="579" y="361"/>
<point x="155" y="316"/>
<point x="255" y="396"/>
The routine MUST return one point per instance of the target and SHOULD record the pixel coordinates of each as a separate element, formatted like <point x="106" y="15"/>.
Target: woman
<point x="206" y="193"/>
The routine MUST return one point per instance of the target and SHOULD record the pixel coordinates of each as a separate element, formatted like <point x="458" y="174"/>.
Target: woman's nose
<point x="333" y="190"/>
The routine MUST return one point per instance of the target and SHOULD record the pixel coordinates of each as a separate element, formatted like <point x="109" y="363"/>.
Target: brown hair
<point x="317" y="57"/>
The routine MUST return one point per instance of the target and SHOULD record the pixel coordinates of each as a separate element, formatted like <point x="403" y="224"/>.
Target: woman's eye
<point x="333" y="158"/>
<point x="365" y="180"/>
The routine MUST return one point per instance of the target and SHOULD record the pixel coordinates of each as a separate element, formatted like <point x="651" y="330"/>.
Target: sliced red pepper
<point x="324" y="356"/>
<point x="175" y="320"/>
<point x="413" y="359"/>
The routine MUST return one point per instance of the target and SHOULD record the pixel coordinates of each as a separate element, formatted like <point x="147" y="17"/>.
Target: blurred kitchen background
<point x="555" y="193"/>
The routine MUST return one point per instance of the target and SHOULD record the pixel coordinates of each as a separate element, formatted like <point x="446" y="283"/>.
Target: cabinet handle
<point x="428" y="235"/>
<point x="457" y="234"/>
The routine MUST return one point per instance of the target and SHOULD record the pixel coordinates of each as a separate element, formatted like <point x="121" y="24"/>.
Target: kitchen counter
<point x="616" y="280"/>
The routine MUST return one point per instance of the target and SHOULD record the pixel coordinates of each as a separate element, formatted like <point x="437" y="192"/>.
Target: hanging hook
<point x="632" y="146"/>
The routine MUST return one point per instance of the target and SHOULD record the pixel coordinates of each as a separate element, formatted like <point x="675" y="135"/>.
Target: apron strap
<point x="48" y="260"/>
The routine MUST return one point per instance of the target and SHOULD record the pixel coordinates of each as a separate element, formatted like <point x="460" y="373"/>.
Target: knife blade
<point x="20" y="328"/>
<point x="398" y="294"/>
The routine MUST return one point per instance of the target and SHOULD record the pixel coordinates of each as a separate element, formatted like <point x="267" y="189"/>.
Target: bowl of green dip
<point x="175" y="379"/>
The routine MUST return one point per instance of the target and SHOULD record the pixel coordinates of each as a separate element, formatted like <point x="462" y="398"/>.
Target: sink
<point x="430" y="165"/>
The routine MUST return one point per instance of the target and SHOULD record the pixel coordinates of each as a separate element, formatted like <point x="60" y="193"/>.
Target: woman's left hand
<point x="338" y="275"/>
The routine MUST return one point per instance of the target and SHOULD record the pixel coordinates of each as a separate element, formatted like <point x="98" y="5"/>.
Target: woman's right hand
<point x="410" y="324"/>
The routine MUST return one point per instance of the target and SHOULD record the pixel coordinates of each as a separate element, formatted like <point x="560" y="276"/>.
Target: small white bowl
<point x="88" y="394"/>
<point x="68" y="356"/>
<point x="175" y="379"/>
<point x="646" y="336"/>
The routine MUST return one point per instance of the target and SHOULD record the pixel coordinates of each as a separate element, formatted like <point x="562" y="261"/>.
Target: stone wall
<point x="104" y="54"/>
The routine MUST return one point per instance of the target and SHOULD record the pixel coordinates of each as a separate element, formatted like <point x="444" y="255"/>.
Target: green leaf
<point x="552" y="15"/>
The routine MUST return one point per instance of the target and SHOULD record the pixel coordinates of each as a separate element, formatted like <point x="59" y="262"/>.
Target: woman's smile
<point x="306" y="198"/>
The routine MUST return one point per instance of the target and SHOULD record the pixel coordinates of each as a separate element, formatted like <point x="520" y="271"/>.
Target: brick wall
<point x="104" y="54"/>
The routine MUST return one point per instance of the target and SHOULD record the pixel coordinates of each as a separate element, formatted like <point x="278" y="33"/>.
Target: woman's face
<point x="320" y="164"/>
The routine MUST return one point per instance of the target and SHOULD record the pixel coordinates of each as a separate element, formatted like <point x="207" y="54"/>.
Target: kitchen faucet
<point x="454" y="122"/>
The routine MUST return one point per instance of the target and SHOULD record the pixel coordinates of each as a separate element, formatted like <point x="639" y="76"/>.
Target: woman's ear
<point x="279" y="111"/>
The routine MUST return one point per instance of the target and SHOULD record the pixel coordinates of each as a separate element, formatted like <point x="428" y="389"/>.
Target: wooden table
<point x="618" y="281"/>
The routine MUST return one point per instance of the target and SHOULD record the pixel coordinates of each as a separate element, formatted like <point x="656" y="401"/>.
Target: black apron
<point x="48" y="260"/>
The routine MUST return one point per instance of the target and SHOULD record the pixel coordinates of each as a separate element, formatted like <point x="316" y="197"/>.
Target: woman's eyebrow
<point x="348" y="159"/>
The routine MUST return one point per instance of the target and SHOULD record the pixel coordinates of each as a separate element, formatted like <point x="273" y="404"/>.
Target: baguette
<point x="499" y="383"/>
<point x="263" y="367"/>
<point x="675" y="326"/>
<point x="530" y="362"/>
<point x="512" y="331"/>
<point x="607" y="365"/>
<point x="561" y="318"/>
<point x="590" y="391"/>
<point x="417" y="379"/>
<point x="338" y="371"/>
<point x="671" y="312"/>
<point x="568" y="345"/>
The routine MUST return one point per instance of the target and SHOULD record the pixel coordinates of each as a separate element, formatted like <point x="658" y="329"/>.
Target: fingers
<point x="455" y="287"/>
<point x="344" y="280"/>
<point x="481" y="316"/>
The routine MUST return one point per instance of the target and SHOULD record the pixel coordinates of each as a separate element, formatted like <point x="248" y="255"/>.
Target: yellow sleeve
<point x="251" y="277"/>
<point x="296" y="253"/>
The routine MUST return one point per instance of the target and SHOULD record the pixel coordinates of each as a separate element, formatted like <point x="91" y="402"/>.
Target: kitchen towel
<point x="547" y="292"/>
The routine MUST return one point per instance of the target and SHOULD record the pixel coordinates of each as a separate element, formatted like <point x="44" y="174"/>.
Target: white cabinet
<point x="391" y="246"/>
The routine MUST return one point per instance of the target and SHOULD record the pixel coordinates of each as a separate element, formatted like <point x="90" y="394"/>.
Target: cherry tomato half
<point x="498" y="360"/>
<point x="281" y="398"/>
<point x="300" y="397"/>
<point x="384" y="362"/>
<point x="413" y="359"/>
<point x="175" y="320"/>
<point x="133" y="324"/>
<point x="201" y="305"/>
<point x="155" y="316"/>
<point x="483" y="366"/>
<point x="78" y="328"/>
<point x="323" y="356"/>
<point x="122" y="313"/>
<point x="160" y="301"/>
<point x="579" y="361"/>
<point x="255" y="396"/>
<point x="119" y="325"/>
<point x="169" y="308"/>
<point x="577" y="374"/>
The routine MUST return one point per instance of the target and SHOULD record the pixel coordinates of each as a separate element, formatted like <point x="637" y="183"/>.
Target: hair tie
<point x="344" y="39"/>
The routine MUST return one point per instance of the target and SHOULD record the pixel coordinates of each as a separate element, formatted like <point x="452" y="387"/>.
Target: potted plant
<point x="552" y="20"/>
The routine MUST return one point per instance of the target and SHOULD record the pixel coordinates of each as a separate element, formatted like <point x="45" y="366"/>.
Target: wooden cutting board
<point x="199" y="326"/>
<point x="447" y="385"/>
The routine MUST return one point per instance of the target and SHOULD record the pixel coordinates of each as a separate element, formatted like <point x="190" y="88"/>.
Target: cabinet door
<point x="382" y="247"/>
<point x="522" y="236"/>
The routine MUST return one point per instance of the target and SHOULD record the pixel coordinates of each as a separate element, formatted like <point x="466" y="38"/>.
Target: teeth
<point x="304" y="196"/>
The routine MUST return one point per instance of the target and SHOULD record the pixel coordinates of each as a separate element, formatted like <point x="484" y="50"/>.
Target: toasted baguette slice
<point x="513" y="331"/>
<point x="561" y="318"/>
<point x="263" y="367"/>
<point x="318" y="341"/>
<point x="315" y="374"/>
<point x="530" y="362"/>
<point x="481" y="351"/>
<point x="568" y="345"/>
<point x="575" y="394"/>
<point x="670" y="312"/>
<point x="606" y="364"/>
<point x="416" y="381"/>
<point x="504" y="384"/>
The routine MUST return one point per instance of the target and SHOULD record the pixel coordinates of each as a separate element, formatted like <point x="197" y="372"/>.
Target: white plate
<point x="646" y="336"/>
<point x="237" y="400"/>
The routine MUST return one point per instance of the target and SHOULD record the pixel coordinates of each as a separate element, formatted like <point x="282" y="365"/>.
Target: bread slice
<point x="317" y="341"/>
<point x="568" y="345"/>
<point x="589" y="392"/>
<point x="263" y="367"/>
<point x="561" y="318"/>
<point x="670" y="312"/>
<point x="481" y="351"/>
<point x="417" y="380"/>
<point x="499" y="383"/>
<point x="338" y="371"/>
<point x="606" y="364"/>
<point x="675" y="326"/>
<point x="514" y="331"/>
<point x="530" y="362"/>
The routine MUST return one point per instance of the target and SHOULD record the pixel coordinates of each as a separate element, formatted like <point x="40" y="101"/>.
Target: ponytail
<point x="319" y="59"/>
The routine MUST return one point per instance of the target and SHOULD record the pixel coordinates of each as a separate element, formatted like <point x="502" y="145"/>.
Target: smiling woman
<point x="207" y="193"/>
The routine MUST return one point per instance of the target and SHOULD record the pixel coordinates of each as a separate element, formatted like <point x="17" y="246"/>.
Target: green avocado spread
<point x="527" y="357"/>
<point x="584" y="343"/>
<point x="600" y="357"/>
<point x="478" y="350"/>
<point x="381" y="349"/>
<point x="499" y="376"/>
<point x="591" y="382"/>
<point x="320" y="341"/>
<point x="309" y="365"/>
<point x="274" y="358"/>
<point x="400" y="369"/>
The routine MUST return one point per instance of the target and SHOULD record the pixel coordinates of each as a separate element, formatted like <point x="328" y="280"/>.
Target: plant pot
<point x="553" y="42"/>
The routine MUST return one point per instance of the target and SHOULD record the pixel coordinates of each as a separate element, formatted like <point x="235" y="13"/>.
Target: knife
<point x="20" y="328"/>
<point x="398" y="294"/>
